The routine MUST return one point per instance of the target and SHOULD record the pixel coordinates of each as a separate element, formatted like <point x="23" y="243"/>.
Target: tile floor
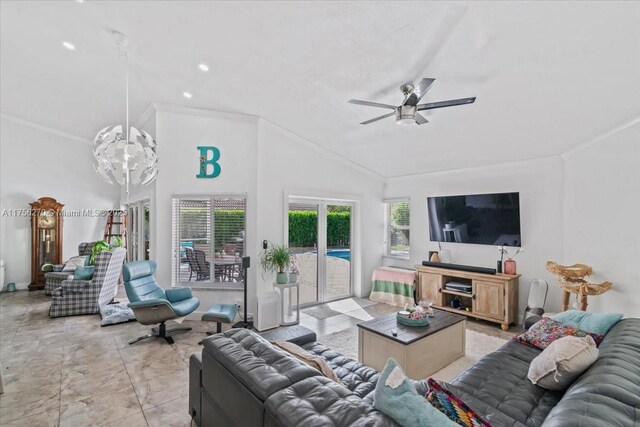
<point x="71" y="372"/>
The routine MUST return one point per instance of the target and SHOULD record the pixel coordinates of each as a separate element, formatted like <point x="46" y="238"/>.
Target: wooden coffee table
<point x="420" y="351"/>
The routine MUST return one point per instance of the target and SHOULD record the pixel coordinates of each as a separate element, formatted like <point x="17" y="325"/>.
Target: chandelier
<point x="124" y="154"/>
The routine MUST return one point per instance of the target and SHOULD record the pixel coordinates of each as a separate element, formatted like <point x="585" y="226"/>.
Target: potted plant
<point x="276" y="259"/>
<point x="293" y="269"/>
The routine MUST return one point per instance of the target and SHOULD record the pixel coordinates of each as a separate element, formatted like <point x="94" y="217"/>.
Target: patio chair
<point x="198" y="264"/>
<point x="76" y="297"/>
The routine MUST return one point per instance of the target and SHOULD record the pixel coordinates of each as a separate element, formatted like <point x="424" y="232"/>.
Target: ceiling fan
<point x="407" y="112"/>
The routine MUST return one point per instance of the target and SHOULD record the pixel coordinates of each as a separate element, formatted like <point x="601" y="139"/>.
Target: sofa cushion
<point x="357" y="377"/>
<point x="320" y="402"/>
<point x="258" y="365"/>
<point x="562" y="362"/>
<point x="547" y="330"/>
<point x="498" y="383"/>
<point x="309" y="358"/>
<point x="396" y="397"/>
<point x="596" y="323"/>
<point x="608" y="393"/>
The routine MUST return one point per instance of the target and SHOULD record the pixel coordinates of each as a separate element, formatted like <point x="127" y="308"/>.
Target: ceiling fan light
<point x="405" y="121"/>
<point x="405" y="115"/>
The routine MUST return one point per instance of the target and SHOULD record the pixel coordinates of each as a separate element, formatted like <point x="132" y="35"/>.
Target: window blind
<point x="208" y="235"/>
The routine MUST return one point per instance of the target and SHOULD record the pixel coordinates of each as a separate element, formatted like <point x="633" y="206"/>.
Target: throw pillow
<point x="453" y="407"/>
<point x="597" y="323"/>
<point x="547" y="330"/>
<point x="116" y="313"/>
<point x="557" y="367"/>
<point x="310" y="359"/>
<point x="83" y="273"/>
<point x="75" y="262"/>
<point x="397" y="397"/>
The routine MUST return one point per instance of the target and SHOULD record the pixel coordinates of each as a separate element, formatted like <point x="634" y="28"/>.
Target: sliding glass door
<point x="320" y="240"/>
<point x="337" y="266"/>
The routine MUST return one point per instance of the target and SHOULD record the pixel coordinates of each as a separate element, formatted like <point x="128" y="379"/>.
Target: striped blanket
<point x="393" y="285"/>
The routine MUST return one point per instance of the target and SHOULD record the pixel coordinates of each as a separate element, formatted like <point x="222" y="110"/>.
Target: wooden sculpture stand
<point x="571" y="280"/>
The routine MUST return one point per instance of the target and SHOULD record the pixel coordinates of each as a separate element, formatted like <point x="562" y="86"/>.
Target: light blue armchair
<point x="152" y="304"/>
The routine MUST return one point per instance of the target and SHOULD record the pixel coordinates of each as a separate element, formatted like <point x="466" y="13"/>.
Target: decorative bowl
<point x="412" y="322"/>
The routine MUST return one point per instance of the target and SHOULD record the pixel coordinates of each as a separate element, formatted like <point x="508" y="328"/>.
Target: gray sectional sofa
<point x="240" y="379"/>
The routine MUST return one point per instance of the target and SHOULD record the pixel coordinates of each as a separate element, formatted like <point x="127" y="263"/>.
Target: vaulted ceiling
<point x="548" y="76"/>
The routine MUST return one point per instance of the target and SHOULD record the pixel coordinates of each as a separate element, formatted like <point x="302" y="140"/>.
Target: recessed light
<point x="80" y="1"/>
<point x="187" y="95"/>
<point x="203" y="67"/>
<point x="68" y="45"/>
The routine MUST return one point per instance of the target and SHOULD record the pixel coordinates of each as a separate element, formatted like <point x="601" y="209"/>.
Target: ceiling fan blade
<point x="442" y="104"/>
<point x="421" y="120"/>
<point x="420" y="91"/>
<point x="371" y="104"/>
<point x="378" y="118"/>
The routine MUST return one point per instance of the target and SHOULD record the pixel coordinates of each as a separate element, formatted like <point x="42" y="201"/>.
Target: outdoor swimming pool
<point x="340" y="253"/>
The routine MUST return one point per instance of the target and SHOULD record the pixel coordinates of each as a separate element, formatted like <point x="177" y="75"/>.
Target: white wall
<point x="602" y="215"/>
<point x="35" y="163"/>
<point x="290" y="165"/>
<point x="178" y="135"/>
<point x="539" y="183"/>
<point x="265" y="162"/>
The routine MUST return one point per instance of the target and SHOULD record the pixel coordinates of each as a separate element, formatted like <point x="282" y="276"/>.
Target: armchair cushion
<point x="137" y="269"/>
<point x="84" y="273"/>
<point x="149" y="303"/>
<point x="178" y="294"/>
<point x="75" y="285"/>
<point x="185" y="307"/>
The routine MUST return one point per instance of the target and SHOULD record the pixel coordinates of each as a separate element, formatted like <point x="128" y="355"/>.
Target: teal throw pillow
<point x="83" y="273"/>
<point x="397" y="398"/>
<point x="598" y="323"/>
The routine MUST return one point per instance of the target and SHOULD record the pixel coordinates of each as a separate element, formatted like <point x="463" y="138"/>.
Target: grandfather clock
<point x="46" y="238"/>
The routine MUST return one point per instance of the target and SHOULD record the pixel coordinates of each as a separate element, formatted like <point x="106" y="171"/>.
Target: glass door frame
<point x="135" y="240"/>
<point x="321" y="276"/>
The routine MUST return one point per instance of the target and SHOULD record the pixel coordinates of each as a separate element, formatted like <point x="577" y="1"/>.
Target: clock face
<point x="47" y="219"/>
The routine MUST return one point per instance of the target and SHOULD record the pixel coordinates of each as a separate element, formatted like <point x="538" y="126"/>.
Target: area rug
<point x="477" y="345"/>
<point x="321" y="312"/>
<point x="113" y="314"/>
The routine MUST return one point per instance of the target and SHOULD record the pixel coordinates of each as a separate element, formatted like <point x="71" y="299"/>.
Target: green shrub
<point x="303" y="228"/>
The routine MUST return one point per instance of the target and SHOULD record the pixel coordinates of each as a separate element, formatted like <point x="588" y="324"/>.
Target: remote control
<point x="394" y="332"/>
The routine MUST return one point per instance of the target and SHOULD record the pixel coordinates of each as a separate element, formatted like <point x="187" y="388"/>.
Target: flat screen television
<point x="484" y="219"/>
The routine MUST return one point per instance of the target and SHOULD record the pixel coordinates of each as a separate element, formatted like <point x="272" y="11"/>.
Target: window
<point x="397" y="226"/>
<point x="208" y="234"/>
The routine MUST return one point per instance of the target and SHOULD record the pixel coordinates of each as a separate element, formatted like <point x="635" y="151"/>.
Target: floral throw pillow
<point x="547" y="330"/>
<point x="453" y="407"/>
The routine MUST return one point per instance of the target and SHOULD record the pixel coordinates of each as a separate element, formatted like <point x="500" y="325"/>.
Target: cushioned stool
<point x="220" y="313"/>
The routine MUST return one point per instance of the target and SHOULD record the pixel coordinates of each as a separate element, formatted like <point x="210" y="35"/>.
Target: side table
<point x="289" y="292"/>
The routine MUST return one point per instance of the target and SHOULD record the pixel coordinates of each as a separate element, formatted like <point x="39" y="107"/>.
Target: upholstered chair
<point x="154" y="305"/>
<point x="75" y="297"/>
<point x="54" y="279"/>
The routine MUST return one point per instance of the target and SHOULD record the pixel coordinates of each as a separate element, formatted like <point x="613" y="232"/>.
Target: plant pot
<point x="509" y="267"/>
<point x="282" y="278"/>
<point x="293" y="277"/>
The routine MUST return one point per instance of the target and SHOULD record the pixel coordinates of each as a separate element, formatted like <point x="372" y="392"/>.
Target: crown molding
<point x="45" y="129"/>
<point x="601" y="138"/>
<point x="471" y="168"/>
